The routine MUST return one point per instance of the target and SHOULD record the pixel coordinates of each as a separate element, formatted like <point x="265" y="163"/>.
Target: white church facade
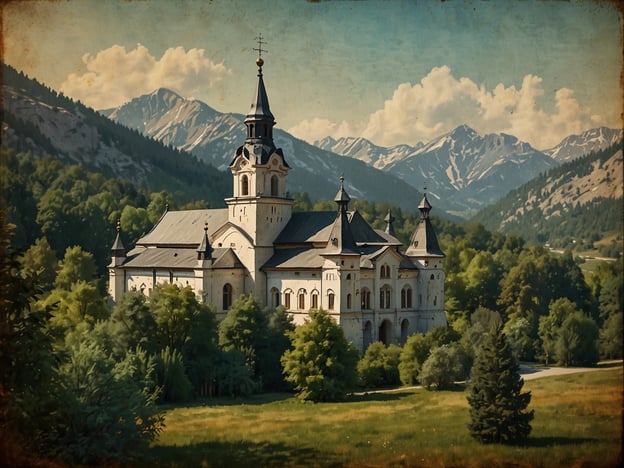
<point x="332" y="260"/>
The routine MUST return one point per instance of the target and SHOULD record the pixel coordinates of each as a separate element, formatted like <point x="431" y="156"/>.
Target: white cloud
<point x="115" y="75"/>
<point x="441" y="102"/>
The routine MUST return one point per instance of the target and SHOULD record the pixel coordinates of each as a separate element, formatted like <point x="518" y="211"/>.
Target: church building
<point x="332" y="260"/>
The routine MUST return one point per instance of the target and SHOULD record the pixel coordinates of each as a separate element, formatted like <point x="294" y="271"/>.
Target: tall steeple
<point x="260" y="120"/>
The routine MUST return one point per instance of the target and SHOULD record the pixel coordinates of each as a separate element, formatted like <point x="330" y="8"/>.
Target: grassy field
<point x="578" y="423"/>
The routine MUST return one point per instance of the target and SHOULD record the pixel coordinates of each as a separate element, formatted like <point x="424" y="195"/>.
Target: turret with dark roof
<point x="204" y="251"/>
<point x="424" y="242"/>
<point x="341" y="239"/>
<point x="118" y="249"/>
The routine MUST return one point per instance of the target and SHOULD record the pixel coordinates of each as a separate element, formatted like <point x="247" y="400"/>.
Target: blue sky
<point x="391" y="71"/>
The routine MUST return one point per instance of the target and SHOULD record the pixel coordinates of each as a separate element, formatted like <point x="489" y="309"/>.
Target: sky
<point x="394" y="72"/>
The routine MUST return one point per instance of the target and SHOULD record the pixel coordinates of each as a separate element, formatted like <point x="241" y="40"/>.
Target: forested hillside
<point x="573" y="205"/>
<point x="38" y="120"/>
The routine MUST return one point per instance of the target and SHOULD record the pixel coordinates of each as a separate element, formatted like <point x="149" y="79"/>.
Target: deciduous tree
<point x="321" y="364"/>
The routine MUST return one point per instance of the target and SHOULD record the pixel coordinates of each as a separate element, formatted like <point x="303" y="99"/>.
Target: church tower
<point x="260" y="204"/>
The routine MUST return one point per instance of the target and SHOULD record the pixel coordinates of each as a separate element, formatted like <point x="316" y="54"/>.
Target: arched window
<point x="385" y="271"/>
<point x="227" y="296"/>
<point x="274" y="186"/>
<point x="301" y="299"/>
<point x="384" y="297"/>
<point x="432" y="276"/>
<point x="315" y="296"/>
<point x="368" y="334"/>
<point x="348" y="301"/>
<point x="275" y="297"/>
<point x="330" y="300"/>
<point x="435" y="300"/>
<point x="366" y="298"/>
<point x="404" y="330"/>
<point x="287" y="294"/>
<point x="406" y="297"/>
<point x="244" y="185"/>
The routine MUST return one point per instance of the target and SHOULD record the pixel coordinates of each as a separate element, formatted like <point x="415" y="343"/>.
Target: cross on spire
<point x="259" y="49"/>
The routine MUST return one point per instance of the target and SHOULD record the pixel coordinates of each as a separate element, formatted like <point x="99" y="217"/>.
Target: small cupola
<point x="204" y="251"/>
<point x="389" y="219"/>
<point x="118" y="250"/>
<point x="341" y="240"/>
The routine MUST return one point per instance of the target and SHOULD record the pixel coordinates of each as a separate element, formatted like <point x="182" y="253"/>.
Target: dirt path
<point x="530" y="372"/>
<point x="527" y="372"/>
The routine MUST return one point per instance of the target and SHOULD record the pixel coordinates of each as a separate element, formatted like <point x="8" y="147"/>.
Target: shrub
<point x="379" y="365"/>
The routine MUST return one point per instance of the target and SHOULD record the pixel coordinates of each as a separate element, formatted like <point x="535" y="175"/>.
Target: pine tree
<point x="497" y="406"/>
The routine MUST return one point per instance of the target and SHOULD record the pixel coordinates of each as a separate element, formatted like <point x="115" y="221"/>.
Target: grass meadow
<point x="578" y="423"/>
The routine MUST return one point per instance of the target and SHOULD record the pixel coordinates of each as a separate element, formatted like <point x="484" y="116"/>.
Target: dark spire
<point x="342" y="198"/>
<point x="389" y="219"/>
<point x="341" y="238"/>
<point x="204" y="251"/>
<point x="119" y="250"/>
<point x="424" y="242"/>
<point x="424" y="207"/>
<point x="260" y="120"/>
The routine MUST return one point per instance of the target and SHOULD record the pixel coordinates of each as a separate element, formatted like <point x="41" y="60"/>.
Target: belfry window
<point x="244" y="185"/>
<point x="274" y="186"/>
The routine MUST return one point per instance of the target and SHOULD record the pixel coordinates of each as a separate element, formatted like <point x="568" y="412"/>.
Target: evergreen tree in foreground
<point x="497" y="408"/>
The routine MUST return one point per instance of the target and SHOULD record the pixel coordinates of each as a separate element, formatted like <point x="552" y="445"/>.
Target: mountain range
<point x="466" y="171"/>
<point x="462" y="171"/>
<point x="213" y="137"/>
<point x="39" y="120"/>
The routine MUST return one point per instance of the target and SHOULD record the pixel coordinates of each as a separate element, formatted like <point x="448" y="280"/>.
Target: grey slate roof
<point x="178" y="258"/>
<point x="300" y="259"/>
<point x="308" y="227"/>
<point x="184" y="228"/>
<point x="424" y="242"/>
